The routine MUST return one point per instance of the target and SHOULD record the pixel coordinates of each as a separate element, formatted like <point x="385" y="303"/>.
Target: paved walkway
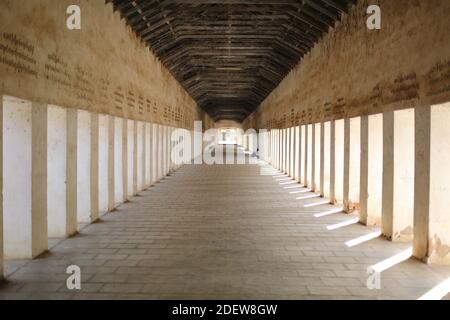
<point x="222" y="232"/>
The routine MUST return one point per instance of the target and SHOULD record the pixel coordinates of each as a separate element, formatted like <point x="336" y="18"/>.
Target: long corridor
<point x="224" y="232"/>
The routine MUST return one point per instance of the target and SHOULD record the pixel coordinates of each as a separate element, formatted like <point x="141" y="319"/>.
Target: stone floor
<point x="221" y="232"/>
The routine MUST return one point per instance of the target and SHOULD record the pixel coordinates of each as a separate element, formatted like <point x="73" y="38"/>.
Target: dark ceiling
<point x="230" y="54"/>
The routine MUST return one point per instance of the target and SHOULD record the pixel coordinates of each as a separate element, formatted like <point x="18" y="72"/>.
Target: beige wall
<point x="354" y="71"/>
<point x="103" y="67"/>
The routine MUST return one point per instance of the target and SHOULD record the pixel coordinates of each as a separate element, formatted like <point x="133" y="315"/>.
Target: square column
<point x="282" y="147"/>
<point x="125" y="158"/>
<point x="61" y="209"/>
<point x="163" y="151"/>
<point x="119" y="194"/>
<point x="432" y="184"/>
<point x="169" y="151"/>
<point x="166" y="150"/>
<point x="312" y="142"/>
<point x="159" y="149"/>
<point x="304" y="154"/>
<point x="292" y="160"/>
<point x="288" y="151"/>
<point x="153" y="153"/>
<point x="296" y="156"/>
<point x="140" y="154"/>
<point x="398" y="175"/>
<point x="338" y="162"/>
<point x="111" y="163"/>
<point x="24" y="179"/>
<point x="309" y="157"/>
<point x="102" y="175"/>
<point x="135" y="157"/>
<point x="148" y="154"/>
<point x="280" y="150"/>
<point x="371" y="169"/>
<point x="84" y="167"/>
<point x="1" y="189"/>
<point x="326" y="191"/>
<point x="95" y="168"/>
<point x="130" y="149"/>
<point x="317" y="157"/>
<point x="352" y="157"/>
<point x="277" y="149"/>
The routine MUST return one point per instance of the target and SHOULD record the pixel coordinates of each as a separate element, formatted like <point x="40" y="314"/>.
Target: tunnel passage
<point x="171" y="137"/>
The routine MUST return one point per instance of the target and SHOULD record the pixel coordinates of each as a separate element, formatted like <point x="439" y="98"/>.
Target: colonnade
<point x="392" y="167"/>
<point x="61" y="167"/>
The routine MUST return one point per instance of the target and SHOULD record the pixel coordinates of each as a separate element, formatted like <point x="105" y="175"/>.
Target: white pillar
<point x="288" y="152"/>
<point x="159" y="152"/>
<point x="338" y="161"/>
<point x="274" y="149"/>
<point x="317" y="156"/>
<point x="125" y="156"/>
<point x="304" y="155"/>
<point x="1" y="189"/>
<point x="169" y="144"/>
<point x="87" y="170"/>
<point x="432" y="184"/>
<point x="61" y="212"/>
<point x="130" y="158"/>
<point x="169" y="151"/>
<point x="322" y="158"/>
<point x="163" y="151"/>
<point x="326" y="192"/>
<point x="371" y="169"/>
<point x="24" y="178"/>
<point x="111" y="163"/>
<point x="135" y="158"/>
<point x="352" y="150"/>
<point x="103" y="153"/>
<point x="280" y="150"/>
<point x="398" y="175"/>
<point x="277" y="149"/>
<point x="294" y="152"/>
<point x="312" y="140"/>
<point x="148" y="154"/>
<point x="155" y="153"/>
<point x="310" y="157"/>
<point x="119" y="194"/>
<point x="95" y="168"/>
<point x="282" y="138"/>
<point x="140" y="153"/>
<point x="300" y="154"/>
<point x="297" y="153"/>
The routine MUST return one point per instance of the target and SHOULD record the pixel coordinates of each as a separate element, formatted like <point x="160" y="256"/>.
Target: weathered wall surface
<point x="103" y="67"/>
<point x="354" y="71"/>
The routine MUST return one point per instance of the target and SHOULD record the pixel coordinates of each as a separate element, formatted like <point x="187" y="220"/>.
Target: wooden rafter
<point x="230" y="54"/>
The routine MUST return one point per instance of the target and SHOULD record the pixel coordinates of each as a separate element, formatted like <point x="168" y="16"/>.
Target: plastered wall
<point x="103" y="67"/>
<point x="354" y="71"/>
